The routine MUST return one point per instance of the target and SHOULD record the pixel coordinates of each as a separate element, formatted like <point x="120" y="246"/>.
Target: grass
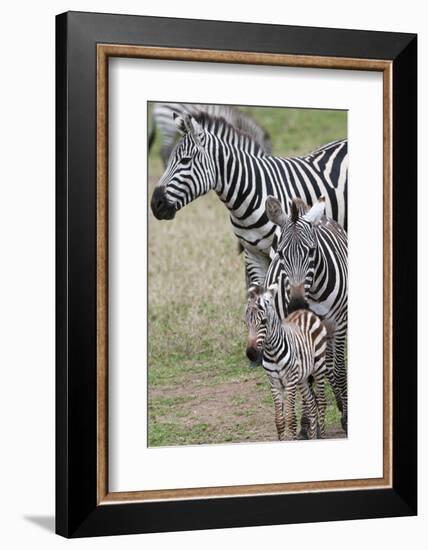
<point x="299" y="131"/>
<point x="201" y="388"/>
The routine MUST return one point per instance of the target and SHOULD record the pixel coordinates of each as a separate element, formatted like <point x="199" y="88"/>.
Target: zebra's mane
<point x="231" y="130"/>
<point x="299" y="208"/>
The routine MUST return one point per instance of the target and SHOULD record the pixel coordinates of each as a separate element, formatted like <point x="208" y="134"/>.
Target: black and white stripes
<point x="213" y="155"/>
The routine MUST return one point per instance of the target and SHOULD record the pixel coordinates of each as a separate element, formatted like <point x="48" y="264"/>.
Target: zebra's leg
<point x="304" y="420"/>
<point x="330" y="362"/>
<point x="290" y="411"/>
<point x="278" y="402"/>
<point x="340" y="376"/>
<point x="310" y="407"/>
<point x="256" y="266"/>
<point x="321" y="403"/>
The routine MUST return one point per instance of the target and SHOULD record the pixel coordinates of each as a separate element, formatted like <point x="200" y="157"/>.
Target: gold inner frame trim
<point x="104" y="51"/>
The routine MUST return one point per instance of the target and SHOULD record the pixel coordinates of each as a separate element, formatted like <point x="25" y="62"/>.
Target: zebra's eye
<point x="185" y="160"/>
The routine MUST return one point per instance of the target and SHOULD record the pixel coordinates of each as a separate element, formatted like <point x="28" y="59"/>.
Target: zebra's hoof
<point x="303" y="435"/>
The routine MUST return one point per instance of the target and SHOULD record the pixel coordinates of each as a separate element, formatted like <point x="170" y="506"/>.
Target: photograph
<point x="223" y="357"/>
<point x="247" y="261"/>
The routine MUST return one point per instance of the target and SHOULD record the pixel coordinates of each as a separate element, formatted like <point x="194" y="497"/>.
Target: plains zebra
<point x="163" y="121"/>
<point x="292" y="351"/>
<point x="311" y="268"/>
<point x="220" y="159"/>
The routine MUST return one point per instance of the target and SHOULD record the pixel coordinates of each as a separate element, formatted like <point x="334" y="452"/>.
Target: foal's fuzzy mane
<point x="298" y="208"/>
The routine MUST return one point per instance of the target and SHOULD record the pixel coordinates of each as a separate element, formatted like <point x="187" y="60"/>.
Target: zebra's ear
<point x="182" y="123"/>
<point x="196" y="130"/>
<point x="195" y="127"/>
<point x="316" y="212"/>
<point x="274" y="211"/>
<point x="254" y="291"/>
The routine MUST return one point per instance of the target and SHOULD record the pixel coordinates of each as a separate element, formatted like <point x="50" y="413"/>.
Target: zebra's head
<point x="296" y="246"/>
<point x="256" y="318"/>
<point x="190" y="171"/>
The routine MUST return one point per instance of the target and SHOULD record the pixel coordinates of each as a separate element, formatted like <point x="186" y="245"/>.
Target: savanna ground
<point x="201" y="388"/>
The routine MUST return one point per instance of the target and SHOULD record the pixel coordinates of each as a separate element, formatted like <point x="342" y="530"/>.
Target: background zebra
<point x="242" y="177"/>
<point x="311" y="268"/>
<point x="292" y="351"/>
<point x="163" y="121"/>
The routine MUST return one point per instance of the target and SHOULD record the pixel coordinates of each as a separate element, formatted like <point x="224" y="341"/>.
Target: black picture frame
<point x="77" y="511"/>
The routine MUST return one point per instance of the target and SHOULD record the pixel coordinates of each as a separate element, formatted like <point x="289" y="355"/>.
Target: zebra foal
<point x="292" y="351"/>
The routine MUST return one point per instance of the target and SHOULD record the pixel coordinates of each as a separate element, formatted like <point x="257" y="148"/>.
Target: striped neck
<point x="277" y="338"/>
<point x="237" y="181"/>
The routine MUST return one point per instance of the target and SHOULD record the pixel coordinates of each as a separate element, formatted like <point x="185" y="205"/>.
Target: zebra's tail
<point x="152" y="135"/>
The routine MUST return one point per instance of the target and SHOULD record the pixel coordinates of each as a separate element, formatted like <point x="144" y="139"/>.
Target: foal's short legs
<point x="310" y="407"/>
<point x="290" y="411"/>
<point x="278" y="402"/>
<point x="321" y="402"/>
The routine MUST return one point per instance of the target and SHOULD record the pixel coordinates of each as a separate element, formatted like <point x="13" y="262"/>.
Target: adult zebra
<point x="213" y="155"/>
<point x="310" y="267"/>
<point x="163" y="121"/>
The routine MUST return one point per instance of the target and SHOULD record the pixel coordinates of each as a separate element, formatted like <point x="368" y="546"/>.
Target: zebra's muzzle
<point x="253" y="354"/>
<point x="297" y="303"/>
<point x="297" y="298"/>
<point x="162" y="209"/>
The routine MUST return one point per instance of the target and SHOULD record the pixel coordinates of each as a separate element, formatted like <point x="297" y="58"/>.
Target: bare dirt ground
<point x="222" y="412"/>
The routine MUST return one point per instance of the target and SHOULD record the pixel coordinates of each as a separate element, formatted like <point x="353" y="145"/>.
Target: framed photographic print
<point x="236" y="274"/>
